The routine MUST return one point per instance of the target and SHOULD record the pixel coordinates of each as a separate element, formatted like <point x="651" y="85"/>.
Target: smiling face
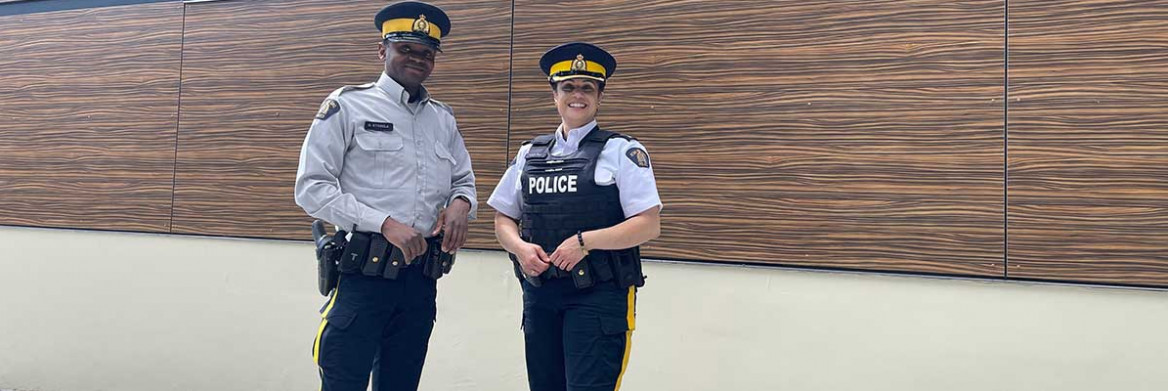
<point x="407" y="63"/>
<point x="577" y="100"/>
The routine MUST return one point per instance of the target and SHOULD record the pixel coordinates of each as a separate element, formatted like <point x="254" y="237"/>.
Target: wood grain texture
<point x="850" y="134"/>
<point x="256" y="71"/>
<point x="1088" y="141"/>
<point x="88" y="120"/>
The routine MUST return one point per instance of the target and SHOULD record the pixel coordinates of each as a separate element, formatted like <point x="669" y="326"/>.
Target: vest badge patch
<point x="639" y="157"/>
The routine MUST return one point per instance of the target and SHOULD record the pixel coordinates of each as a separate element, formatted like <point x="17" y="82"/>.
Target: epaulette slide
<point x="357" y="88"/>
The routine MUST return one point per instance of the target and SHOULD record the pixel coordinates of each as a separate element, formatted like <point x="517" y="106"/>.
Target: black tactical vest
<point x="561" y="198"/>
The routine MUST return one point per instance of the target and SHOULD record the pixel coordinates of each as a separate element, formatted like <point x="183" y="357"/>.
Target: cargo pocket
<point x="610" y="325"/>
<point x="610" y="350"/>
<point x="340" y="319"/>
<point x="332" y="318"/>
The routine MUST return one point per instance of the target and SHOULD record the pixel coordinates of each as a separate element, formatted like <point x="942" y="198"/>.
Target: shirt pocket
<point x="444" y="165"/>
<point x="379" y="141"/>
<point x="380" y="160"/>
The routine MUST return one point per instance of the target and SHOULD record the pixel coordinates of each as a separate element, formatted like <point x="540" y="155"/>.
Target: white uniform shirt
<point x="638" y="187"/>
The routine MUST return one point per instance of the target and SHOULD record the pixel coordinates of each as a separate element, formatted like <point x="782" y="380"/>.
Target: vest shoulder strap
<point x="601" y="135"/>
<point x="541" y="140"/>
<point x="540" y="146"/>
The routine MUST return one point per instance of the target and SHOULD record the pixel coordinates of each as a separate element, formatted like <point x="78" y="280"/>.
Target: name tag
<point x="378" y="126"/>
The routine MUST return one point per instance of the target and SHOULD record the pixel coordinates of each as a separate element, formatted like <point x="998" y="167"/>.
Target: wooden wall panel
<point x="87" y="125"/>
<point x="254" y="74"/>
<point x="851" y="134"/>
<point x="1088" y="141"/>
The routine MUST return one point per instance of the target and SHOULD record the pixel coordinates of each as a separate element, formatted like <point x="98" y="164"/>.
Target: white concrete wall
<point x="82" y="311"/>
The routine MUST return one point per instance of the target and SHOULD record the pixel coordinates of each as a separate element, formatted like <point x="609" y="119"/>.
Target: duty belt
<point x="371" y="255"/>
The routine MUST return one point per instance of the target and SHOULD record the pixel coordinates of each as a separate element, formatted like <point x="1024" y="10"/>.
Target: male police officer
<point x="588" y="198"/>
<point x="381" y="160"/>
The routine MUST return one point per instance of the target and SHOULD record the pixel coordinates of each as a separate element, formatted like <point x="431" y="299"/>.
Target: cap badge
<point x="578" y="64"/>
<point x="421" y="25"/>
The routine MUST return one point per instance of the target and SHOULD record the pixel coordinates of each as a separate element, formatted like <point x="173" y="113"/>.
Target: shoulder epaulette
<point x="442" y="105"/>
<point x="356" y="88"/>
<point x="332" y="105"/>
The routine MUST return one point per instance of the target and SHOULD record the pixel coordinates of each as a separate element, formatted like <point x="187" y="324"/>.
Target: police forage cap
<point x="577" y="60"/>
<point x="413" y="21"/>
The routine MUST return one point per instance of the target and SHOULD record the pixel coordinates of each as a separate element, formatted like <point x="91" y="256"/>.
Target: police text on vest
<point x="551" y="184"/>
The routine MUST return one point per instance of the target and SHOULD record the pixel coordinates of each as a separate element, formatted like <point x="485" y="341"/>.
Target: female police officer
<point x="572" y="210"/>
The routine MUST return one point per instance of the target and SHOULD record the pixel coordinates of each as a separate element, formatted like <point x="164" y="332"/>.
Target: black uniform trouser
<point x="379" y="326"/>
<point x="577" y="339"/>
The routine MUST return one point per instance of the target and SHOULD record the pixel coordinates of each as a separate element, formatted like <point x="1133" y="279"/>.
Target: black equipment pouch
<point x="582" y="275"/>
<point x="446" y="260"/>
<point x="435" y="262"/>
<point x="429" y="265"/>
<point x="328" y="253"/>
<point x="355" y="253"/>
<point x="627" y="264"/>
<point x="375" y="259"/>
<point x="602" y="270"/>
<point x="397" y="260"/>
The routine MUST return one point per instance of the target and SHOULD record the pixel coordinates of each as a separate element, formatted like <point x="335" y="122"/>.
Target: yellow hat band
<point x="566" y="66"/>
<point x="405" y="25"/>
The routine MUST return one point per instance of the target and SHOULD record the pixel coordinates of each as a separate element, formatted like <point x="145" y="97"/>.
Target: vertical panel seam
<point x="1006" y="144"/>
<point x="177" y="117"/>
<point x="510" y="87"/>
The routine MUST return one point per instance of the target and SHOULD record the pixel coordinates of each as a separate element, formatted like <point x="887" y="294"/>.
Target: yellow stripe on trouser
<point x="323" y="323"/>
<point x="632" y="318"/>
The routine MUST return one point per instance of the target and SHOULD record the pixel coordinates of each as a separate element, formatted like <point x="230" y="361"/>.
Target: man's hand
<point x="453" y="222"/>
<point x="407" y="239"/>
<point x="568" y="254"/>
<point x="532" y="259"/>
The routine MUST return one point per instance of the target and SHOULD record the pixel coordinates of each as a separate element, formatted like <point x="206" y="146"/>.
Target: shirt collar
<point x="574" y="135"/>
<point x="395" y="90"/>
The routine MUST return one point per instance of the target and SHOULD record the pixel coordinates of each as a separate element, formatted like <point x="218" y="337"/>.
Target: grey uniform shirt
<point x="374" y="155"/>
